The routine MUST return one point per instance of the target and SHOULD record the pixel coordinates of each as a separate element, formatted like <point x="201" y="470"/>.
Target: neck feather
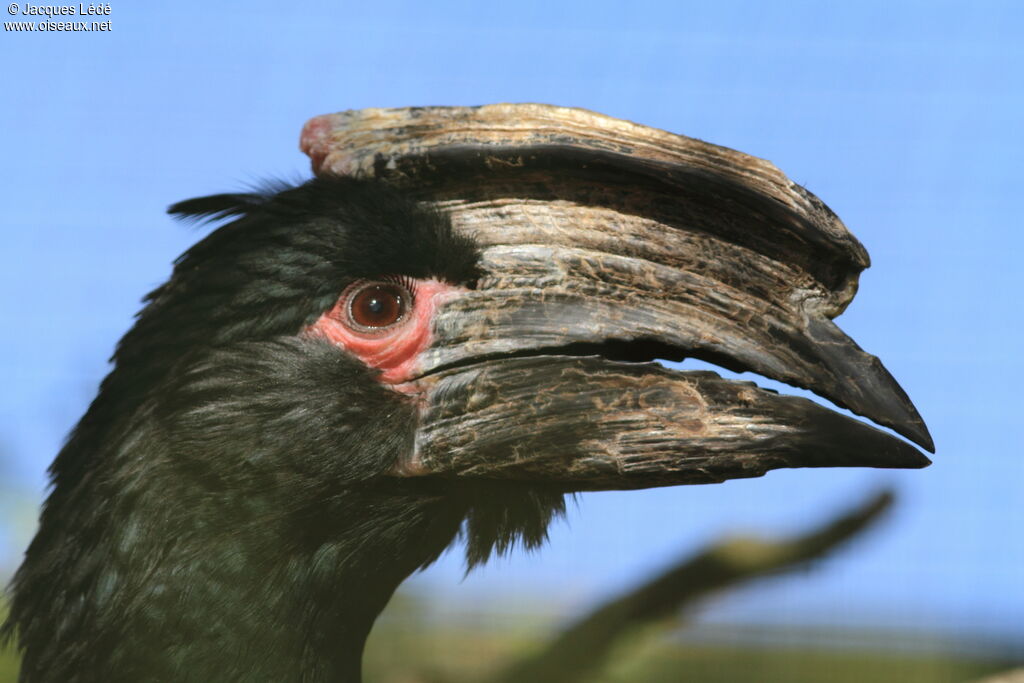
<point x="295" y="601"/>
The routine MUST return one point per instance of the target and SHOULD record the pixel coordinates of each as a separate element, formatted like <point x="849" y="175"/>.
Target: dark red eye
<point x="377" y="305"/>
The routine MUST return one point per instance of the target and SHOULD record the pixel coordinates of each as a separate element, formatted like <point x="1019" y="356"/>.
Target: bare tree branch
<point x="583" y="647"/>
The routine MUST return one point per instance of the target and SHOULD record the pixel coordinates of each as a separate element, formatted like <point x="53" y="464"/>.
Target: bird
<point x="338" y="382"/>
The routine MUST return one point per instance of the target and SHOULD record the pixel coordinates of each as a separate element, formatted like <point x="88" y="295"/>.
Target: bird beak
<point x="604" y="246"/>
<point x="587" y="423"/>
<point x="538" y="375"/>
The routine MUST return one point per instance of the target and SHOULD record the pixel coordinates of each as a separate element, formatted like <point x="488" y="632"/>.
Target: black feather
<point x="222" y="511"/>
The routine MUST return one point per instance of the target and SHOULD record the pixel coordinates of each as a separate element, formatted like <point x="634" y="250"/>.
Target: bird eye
<point x="376" y="305"/>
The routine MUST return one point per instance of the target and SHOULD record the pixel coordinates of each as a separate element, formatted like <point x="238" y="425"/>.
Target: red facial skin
<point x="394" y="350"/>
<point x="315" y="137"/>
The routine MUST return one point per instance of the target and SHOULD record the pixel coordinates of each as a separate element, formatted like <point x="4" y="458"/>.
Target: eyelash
<point x="403" y="281"/>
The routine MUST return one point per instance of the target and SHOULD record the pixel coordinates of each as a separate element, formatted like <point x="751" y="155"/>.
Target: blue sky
<point x="904" y="117"/>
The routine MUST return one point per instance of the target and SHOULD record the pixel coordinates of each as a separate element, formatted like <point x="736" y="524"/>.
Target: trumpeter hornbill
<point x="333" y="384"/>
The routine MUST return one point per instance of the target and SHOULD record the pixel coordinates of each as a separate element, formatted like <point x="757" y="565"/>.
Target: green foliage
<point x="410" y="645"/>
<point x="667" y="664"/>
<point x="8" y="667"/>
<point x="8" y="659"/>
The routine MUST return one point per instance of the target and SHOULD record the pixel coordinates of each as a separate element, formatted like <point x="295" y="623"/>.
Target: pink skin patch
<point x="394" y="350"/>
<point x="315" y="139"/>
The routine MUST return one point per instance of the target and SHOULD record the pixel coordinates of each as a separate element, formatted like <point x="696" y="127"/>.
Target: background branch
<point x="584" y="646"/>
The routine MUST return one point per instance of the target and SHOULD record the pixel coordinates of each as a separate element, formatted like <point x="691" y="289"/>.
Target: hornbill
<point x="448" y="329"/>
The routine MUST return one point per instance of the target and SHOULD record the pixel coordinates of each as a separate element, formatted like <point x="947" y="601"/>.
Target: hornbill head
<point x="450" y="328"/>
